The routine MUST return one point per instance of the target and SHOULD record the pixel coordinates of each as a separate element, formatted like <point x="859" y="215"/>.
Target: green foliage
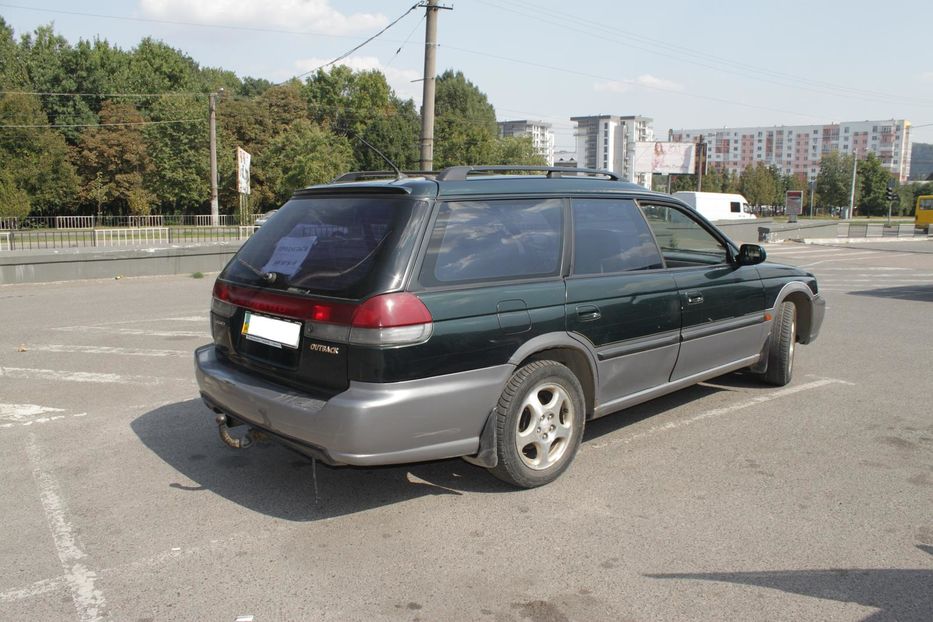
<point x="304" y="155"/>
<point x="873" y="183"/>
<point x="37" y="157"/>
<point x="517" y="150"/>
<point x="113" y="161"/>
<point x="834" y="181"/>
<point x="181" y="178"/>
<point x="465" y="130"/>
<point x="758" y="185"/>
<point x="14" y="201"/>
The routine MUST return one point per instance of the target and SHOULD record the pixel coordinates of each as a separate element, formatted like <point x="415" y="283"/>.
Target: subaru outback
<point x="480" y="313"/>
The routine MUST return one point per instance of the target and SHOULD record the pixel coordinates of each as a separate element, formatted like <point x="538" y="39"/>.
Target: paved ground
<point x="727" y="501"/>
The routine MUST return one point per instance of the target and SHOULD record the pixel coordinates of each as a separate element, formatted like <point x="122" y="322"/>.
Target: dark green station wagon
<point x="484" y="315"/>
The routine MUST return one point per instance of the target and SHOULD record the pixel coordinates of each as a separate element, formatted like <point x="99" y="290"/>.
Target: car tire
<point x="782" y="346"/>
<point x="539" y="424"/>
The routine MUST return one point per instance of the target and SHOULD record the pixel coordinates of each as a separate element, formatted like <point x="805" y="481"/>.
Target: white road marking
<point x="846" y="258"/>
<point x="22" y="412"/>
<point x="35" y="589"/>
<point x="74" y="376"/>
<point x="88" y="599"/>
<point x="134" y="331"/>
<point x="55" y="347"/>
<point x="717" y="412"/>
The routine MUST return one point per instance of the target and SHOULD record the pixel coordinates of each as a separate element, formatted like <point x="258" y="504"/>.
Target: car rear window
<point x="494" y="240"/>
<point x="612" y="236"/>
<point x="331" y="246"/>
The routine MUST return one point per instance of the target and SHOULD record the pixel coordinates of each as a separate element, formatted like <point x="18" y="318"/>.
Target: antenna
<point x="398" y="174"/>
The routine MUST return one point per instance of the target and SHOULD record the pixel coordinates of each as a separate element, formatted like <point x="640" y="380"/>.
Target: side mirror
<point x="750" y="254"/>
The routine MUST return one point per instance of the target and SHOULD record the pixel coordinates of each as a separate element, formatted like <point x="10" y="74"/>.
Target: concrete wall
<point x="747" y="230"/>
<point x="70" y="264"/>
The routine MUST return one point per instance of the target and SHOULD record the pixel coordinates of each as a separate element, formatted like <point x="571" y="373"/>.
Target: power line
<point x="101" y="95"/>
<point x="177" y="22"/>
<point x="354" y="49"/>
<point x="56" y="125"/>
<point x="632" y="82"/>
<point x="690" y="55"/>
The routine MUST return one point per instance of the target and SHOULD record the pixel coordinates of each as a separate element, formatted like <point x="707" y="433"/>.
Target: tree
<point x="465" y="123"/>
<point x="833" y="182"/>
<point x="518" y="150"/>
<point x="180" y="151"/>
<point x="873" y="184"/>
<point x="114" y="161"/>
<point x="396" y="135"/>
<point x="758" y="185"/>
<point x="35" y="156"/>
<point x="14" y="201"/>
<point x="304" y="155"/>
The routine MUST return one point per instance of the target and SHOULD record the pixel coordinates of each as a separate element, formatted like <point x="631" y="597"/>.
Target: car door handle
<point x="694" y="298"/>
<point x="588" y="313"/>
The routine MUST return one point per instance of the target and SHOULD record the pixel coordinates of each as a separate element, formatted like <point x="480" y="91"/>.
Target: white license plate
<point x="271" y="331"/>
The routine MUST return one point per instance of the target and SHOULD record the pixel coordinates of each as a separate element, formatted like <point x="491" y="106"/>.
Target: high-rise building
<point x="608" y="141"/>
<point x="542" y="136"/>
<point x="798" y="149"/>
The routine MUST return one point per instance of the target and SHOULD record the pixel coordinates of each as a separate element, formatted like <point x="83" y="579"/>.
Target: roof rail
<point x="361" y="175"/>
<point x="460" y="173"/>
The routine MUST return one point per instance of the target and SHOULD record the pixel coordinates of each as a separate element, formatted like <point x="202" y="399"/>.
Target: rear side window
<point x="611" y="236"/>
<point x="736" y="207"/>
<point x="494" y="240"/>
<point x="333" y="246"/>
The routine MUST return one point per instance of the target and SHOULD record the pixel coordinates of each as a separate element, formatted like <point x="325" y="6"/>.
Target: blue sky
<point x="685" y="64"/>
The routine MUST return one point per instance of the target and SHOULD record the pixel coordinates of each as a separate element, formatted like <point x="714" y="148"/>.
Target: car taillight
<point x="220" y="301"/>
<point x="391" y="320"/>
<point x="386" y="320"/>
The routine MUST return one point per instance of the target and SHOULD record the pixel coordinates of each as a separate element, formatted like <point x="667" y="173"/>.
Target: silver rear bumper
<point x="369" y="423"/>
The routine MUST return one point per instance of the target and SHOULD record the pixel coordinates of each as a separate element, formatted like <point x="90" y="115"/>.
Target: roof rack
<point x="362" y="175"/>
<point x="460" y="173"/>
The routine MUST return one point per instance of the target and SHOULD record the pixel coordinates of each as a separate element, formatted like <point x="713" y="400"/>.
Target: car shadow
<point x="275" y="481"/>
<point x="921" y="293"/>
<point x="899" y="594"/>
<point x="618" y="421"/>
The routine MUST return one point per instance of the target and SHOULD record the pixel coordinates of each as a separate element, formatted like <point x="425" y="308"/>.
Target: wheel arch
<point x="567" y="351"/>
<point x="802" y="298"/>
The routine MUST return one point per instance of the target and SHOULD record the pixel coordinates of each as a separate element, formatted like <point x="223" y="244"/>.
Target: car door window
<point x="683" y="241"/>
<point x="611" y="236"/>
<point x="494" y="240"/>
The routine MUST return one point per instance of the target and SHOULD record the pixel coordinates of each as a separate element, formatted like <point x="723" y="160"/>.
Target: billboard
<point x="242" y="170"/>
<point x="793" y="200"/>
<point x="664" y="158"/>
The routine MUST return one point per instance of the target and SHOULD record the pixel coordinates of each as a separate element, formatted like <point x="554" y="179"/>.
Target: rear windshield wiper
<point x="268" y="277"/>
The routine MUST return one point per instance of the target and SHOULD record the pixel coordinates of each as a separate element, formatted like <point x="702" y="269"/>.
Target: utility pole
<point x="701" y="150"/>
<point x="215" y="207"/>
<point x="852" y="192"/>
<point x="430" y="72"/>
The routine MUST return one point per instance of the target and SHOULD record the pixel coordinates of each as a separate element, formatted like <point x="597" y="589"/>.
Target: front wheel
<point x="781" y="348"/>
<point x="539" y="421"/>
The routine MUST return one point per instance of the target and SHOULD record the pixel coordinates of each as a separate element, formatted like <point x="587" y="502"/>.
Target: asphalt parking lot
<point x="726" y="501"/>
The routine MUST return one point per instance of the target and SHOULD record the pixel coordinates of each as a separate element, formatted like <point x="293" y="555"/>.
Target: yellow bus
<point x="924" y="212"/>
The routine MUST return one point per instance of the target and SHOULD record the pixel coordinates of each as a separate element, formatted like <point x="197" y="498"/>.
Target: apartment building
<point x="542" y="136"/>
<point x="608" y="142"/>
<point x="798" y="149"/>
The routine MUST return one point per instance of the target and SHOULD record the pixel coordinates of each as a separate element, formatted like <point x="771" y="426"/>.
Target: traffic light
<point x="890" y="194"/>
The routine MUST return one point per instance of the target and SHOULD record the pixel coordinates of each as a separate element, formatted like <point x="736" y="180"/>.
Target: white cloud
<point x="399" y="79"/>
<point x="647" y="80"/>
<point x="314" y="15"/>
<point x="658" y="83"/>
<point x="927" y="77"/>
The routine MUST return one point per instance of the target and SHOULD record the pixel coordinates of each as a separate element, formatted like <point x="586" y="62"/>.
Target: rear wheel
<point x="539" y="422"/>
<point x="782" y="345"/>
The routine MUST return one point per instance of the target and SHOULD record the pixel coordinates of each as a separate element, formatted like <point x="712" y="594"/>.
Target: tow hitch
<point x="248" y="439"/>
